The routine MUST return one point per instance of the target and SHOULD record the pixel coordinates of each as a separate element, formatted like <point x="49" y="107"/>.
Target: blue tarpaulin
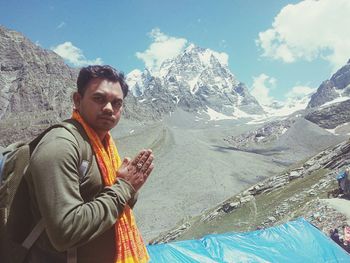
<point x="293" y="242"/>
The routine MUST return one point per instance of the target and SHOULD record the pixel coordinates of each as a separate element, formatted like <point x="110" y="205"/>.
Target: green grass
<point x="254" y="213"/>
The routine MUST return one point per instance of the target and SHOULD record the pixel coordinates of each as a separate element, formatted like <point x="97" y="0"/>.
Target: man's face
<point x="101" y="105"/>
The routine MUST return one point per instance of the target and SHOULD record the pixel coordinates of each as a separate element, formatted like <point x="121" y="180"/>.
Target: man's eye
<point x="99" y="99"/>
<point x="117" y="104"/>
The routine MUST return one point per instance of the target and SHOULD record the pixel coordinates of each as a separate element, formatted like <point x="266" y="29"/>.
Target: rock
<point x="269" y="132"/>
<point x="246" y="199"/>
<point x="210" y="216"/>
<point x="271" y="218"/>
<point x="316" y="215"/>
<point x="228" y="207"/>
<point x="278" y="185"/>
<point x="294" y="174"/>
<point x="311" y="192"/>
<point x="332" y="116"/>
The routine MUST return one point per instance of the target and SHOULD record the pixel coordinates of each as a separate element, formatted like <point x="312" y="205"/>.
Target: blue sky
<point x="278" y="48"/>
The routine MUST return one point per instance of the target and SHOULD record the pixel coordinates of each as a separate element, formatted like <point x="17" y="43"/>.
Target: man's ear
<point x="76" y="100"/>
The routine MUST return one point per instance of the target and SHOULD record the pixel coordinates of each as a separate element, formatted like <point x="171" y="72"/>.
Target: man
<point x="90" y="212"/>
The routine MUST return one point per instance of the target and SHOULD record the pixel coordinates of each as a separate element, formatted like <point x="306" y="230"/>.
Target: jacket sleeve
<point x="69" y="221"/>
<point x="133" y="200"/>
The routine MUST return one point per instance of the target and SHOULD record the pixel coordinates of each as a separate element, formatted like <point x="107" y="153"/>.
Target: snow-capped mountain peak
<point x="195" y="80"/>
<point x="336" y="89"/>
<point x="136" y="80"/>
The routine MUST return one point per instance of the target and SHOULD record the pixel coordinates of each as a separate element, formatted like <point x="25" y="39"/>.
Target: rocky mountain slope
<point x="289" y="140"/>
<point x="331" y="116"/>
<point x="35" y="87"/>
<point x="302" y="131"/>
<point x="329" y="106"/>
<point x="338" y="86"/>
<point x="293" y="193"/>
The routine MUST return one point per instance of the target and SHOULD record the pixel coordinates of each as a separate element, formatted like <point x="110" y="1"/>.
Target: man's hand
<point x="136" y="171"/>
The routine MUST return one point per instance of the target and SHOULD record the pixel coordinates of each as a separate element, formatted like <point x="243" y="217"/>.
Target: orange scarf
<point x="129" y="245"/>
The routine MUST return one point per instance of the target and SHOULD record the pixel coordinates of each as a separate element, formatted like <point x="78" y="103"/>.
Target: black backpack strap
<point x="34" y="234"/>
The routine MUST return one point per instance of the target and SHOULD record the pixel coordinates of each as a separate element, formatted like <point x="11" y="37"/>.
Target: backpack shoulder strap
<point x="77" y="130"/>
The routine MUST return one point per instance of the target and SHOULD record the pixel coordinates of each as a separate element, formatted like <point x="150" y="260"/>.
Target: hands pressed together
<point x="136" y="171"/>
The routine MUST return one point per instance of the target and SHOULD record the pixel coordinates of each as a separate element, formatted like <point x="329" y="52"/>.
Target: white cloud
<point x="300" y="91"/>
<point x="222" y="57"/>
<point x="308" y="30"/>
<point x="163" y="47"/>
<point x="74" y="55"/>
<point x="62" y="24"/>
<point x="261" y="88"/>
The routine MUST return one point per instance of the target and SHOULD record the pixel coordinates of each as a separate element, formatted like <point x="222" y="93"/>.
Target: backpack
<point x="17" y="234"/>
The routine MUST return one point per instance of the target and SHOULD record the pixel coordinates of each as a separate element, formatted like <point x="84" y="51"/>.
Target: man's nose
<point x="108" y="107"/>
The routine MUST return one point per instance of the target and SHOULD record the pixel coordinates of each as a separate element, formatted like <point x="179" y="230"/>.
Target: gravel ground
<point x="340" y="205"/>
<point x="329" y="214"/>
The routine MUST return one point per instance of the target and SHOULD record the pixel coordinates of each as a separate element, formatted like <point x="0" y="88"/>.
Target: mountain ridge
<point x="193" y="81"/>
<point x="337" y="86"/>
<point x="36" y="87"/>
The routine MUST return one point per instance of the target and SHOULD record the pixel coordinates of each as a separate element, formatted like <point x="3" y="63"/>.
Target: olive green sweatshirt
<point x="77" y="210"/>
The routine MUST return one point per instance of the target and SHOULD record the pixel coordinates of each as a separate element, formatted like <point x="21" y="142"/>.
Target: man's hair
<point x="102" y="72"/>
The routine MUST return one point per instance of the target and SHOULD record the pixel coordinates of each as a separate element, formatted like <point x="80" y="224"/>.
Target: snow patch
<point x="237" y="114"/>
<point x="284" y="131"/>
<point x="239" y="99"/>
<point x="205" y="57"/>
<point x="192" y="83"/>
<point x="134" y="78"/>
<point x="331" y="131"/>
<point x="260" y="138"/>
<point x="336" y="100"/>
<point x="217" y="79"/>
<point x="241" y="114"/>
<point x="216" y="116"/>
<point x="177" y="99"/>
<point x="334" y="131"/>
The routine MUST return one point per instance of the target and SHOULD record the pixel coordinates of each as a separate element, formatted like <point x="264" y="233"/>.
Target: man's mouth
<point x="106" y="118"/>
